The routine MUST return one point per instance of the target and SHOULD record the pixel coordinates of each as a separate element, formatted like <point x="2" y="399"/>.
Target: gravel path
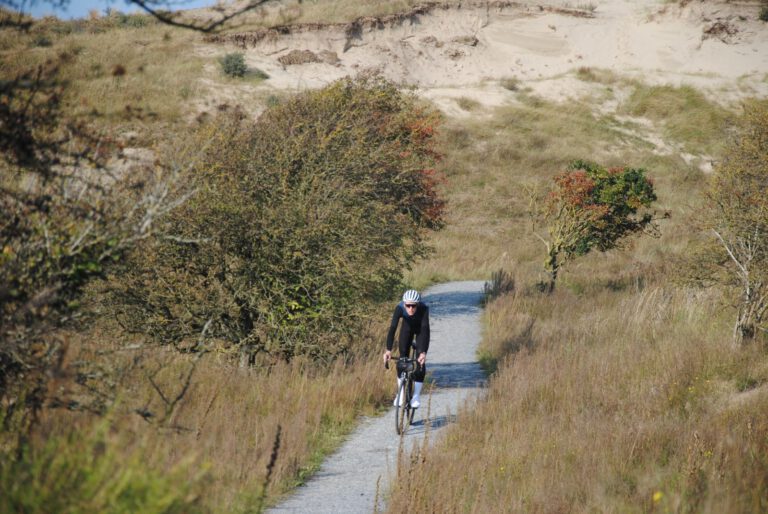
<point x="347" y="480"/>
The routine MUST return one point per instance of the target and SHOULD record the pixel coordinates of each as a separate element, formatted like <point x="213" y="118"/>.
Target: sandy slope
<point x="450" y="53"/>
<point x="347" y="482"/>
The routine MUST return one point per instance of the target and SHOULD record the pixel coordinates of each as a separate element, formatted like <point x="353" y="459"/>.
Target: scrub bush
<point x="735" y="215"/>
<point x="591" y="207"/>
<point x="301" y="220"/>
<point x="233" y="65"/>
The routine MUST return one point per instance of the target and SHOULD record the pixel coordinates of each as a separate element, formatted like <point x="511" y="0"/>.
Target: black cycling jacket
<point x="416" y="326"/>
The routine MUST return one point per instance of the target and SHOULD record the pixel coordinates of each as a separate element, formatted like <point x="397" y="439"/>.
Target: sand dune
<point x="465" y="52"/>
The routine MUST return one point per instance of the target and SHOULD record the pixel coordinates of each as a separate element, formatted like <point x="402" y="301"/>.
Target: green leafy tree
<point x="302" y="219"/>
<point x="594" y="208"/>
<point x="736" y="214"/>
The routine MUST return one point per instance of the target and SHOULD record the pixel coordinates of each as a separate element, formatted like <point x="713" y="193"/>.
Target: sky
<point x="81" y="8"/>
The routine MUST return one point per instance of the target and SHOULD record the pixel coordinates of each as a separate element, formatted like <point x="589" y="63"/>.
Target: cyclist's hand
<point x="422" y="359"/>
<point x="387" y="356"/>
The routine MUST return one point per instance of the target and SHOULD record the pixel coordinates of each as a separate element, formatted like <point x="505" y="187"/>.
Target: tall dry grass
<point x="619" y="392"/>
<point x="225" y="428"/>
<point x="615" y="401"/>
<point x="494" y="164"/>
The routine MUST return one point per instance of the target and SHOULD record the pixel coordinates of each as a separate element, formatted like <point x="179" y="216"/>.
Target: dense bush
<point x="300" y="221"/>
<point x="591" y="207"/>
<point x="233" y="65"/>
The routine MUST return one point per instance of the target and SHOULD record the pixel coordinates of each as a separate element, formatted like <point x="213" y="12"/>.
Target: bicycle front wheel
<point x="402" y="410"/>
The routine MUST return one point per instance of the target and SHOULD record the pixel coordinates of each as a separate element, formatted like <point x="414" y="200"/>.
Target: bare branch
<point x="173" y="18"/>
<point x="730" y="253"/>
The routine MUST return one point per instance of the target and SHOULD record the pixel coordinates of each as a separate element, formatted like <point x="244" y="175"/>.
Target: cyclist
<point x="414" y="333"/>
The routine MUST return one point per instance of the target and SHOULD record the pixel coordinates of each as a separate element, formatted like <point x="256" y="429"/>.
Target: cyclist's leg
<point x="404" y="347"/>
<point x="418" y="382"/>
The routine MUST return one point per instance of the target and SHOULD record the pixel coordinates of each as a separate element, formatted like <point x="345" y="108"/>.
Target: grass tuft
<point x="687" y="116"/>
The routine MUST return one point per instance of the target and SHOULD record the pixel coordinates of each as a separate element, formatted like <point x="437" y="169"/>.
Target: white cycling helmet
<point x="411" y="296"/>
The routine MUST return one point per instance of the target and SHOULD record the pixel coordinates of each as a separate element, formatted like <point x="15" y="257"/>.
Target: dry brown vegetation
<point x="221" y="436"/>
<point x="621" y="392"/>
<point x="611" y="401"/>
<point x="619" y="389"/>
<point x="218" y="432"/>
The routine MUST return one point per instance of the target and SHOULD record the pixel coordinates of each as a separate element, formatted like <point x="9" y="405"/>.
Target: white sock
<point x="416" y="392"/>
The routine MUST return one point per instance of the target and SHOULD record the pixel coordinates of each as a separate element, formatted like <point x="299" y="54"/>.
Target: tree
<point x="67" y="217"/>
<point x="303" y="218"/>
<point x="736" y="213"/>
<point x="591" y="207"/>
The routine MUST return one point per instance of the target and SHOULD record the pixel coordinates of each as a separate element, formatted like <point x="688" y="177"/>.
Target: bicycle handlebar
<point x="403" y="359"/>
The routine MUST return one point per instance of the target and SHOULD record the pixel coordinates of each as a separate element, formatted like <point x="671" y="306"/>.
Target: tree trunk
<point x="553" y="266"/>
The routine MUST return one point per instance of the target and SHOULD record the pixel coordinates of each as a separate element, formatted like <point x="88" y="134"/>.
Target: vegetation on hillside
<point x="736" y="213"/>
<point x="228" y="246"/>
<point x="620" y="392"/>
<point x="274" y="255"/>
<point x="301" y="222"/>
<point x="67" y="218"/>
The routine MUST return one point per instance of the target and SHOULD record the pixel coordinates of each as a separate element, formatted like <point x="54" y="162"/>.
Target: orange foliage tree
<point x="591" y="207"/>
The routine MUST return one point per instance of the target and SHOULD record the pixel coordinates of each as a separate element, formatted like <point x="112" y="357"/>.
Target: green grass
<point x="492" y="165"/>
<point x="686" y="115"/>
<point x="89" y="470"/>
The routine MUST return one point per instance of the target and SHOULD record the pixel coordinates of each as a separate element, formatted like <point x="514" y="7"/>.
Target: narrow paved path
<point x="347" y="481"/>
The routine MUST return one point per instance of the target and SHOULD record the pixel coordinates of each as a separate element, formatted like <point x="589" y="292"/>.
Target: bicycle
<point x="404" y="411"/>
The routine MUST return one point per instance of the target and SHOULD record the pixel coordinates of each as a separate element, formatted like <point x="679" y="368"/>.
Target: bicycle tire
<point x="403" y="410"/>
<point x="399" y="409"/>
<point x="411" y="410"/>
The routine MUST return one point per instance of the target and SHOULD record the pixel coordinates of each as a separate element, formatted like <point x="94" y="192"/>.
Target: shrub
<point x="586" y="74"/>
<point x="41" y="40"/>
<point x="501" y="283"/>
<point x="467" y="104"/>
<point x="591" y="207"/>
<point x="273" y="101"/>
<point x="54" y="243"/>
<point x="510" y="83"/>
<point x="259" y="74"/>
<point x="764" y="13"/>
<point x="301" y="220"/>
<point x="134" y="21"/>
<point x="233" y="65"/>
